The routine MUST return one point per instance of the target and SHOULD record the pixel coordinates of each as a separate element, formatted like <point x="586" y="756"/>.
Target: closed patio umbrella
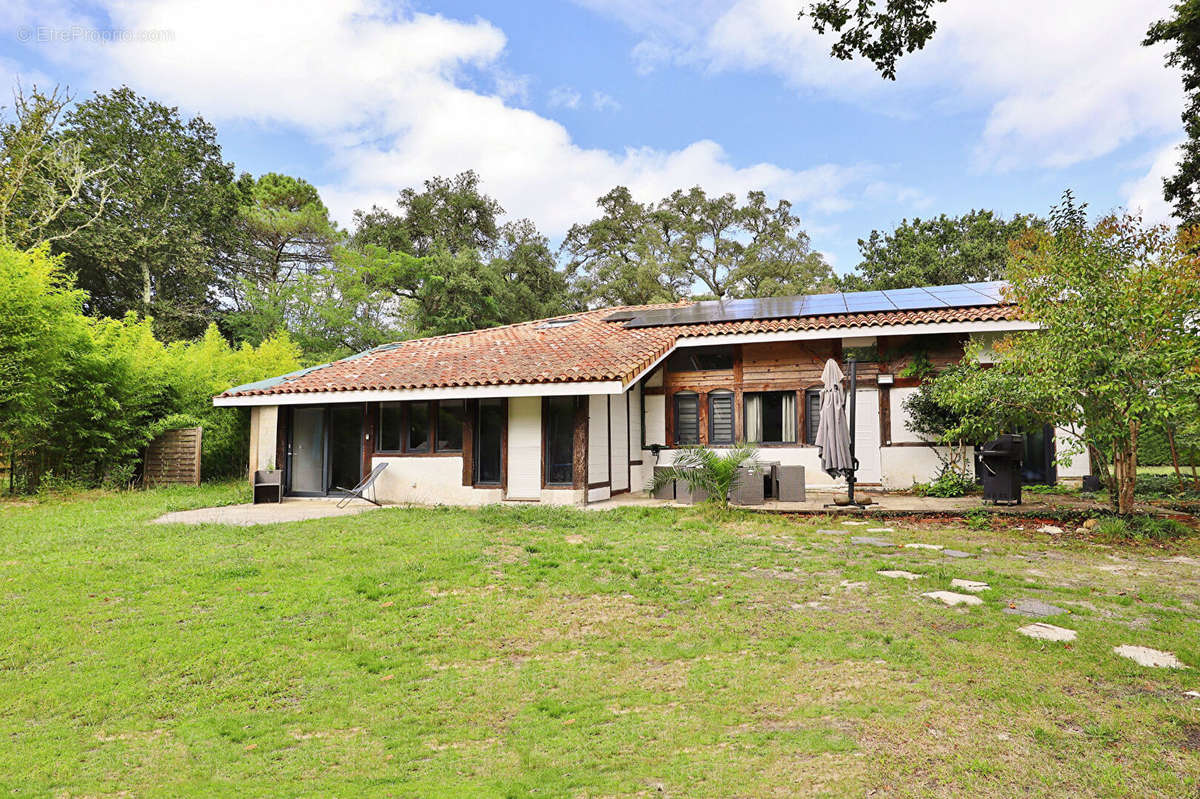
<point x="833" y="431"/>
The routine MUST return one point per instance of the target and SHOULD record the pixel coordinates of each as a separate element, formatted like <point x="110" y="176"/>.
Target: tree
<point x="42" y="172"/>
<point x="620" y="258"/>
<point x="286" y="234"/>
<point x="169" y="226"/>
<point x="1117" y="349"/>
<point x="455" y="263"/>
<point x="880" y="36"/>
<point x="937" y="252"/>
<point x="637" y="254"/>
<point x="39" y="328"/>
<point x="1182" y="33"/>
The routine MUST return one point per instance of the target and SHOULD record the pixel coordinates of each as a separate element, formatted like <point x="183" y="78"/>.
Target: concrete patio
<point x="290" y="510"/>
<point x="882" y="504"/>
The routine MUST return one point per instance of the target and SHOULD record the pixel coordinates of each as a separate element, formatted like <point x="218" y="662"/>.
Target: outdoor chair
<point x="789" y="483"/>
<point x="749" y="488"/>
<point x="365" y="486"/>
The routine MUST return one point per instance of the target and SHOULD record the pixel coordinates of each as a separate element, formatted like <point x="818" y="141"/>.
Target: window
<point x="559" y="437"/>
<point x="867" y="354"/>
<point x="489" y="435"/>
<point x="812" y="414"/>
<point x="553" y="323"/>
<point x="416" y="438"/>
<point x="720" y="417"/>
<point x="687" y="418"/>
<point x="388" y="437"/>
<point x="450" y="416"/>
<point x="771" y="417"/>
<point x="701" y="359"/>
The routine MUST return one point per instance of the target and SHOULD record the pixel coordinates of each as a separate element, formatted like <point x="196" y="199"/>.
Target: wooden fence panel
<point x="173" y="458"/>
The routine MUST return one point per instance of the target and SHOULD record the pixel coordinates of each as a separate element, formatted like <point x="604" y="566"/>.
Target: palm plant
<point x="704" y="469"/>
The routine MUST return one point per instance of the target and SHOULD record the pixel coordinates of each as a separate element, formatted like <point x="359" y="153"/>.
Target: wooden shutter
<point x="720" y="417"/>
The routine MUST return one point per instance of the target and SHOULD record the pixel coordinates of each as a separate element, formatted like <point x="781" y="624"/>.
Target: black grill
<point x="1001" y="459"/>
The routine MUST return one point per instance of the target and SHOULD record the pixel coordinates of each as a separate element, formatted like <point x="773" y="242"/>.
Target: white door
<point x="866" y="436"/>
<point x="619" y="434"/>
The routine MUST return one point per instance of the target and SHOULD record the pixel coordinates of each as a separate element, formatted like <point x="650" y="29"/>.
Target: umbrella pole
<point x="853" y="414"/>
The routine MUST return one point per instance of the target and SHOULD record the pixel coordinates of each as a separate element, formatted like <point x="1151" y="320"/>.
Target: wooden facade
<point x="797" y="366"/>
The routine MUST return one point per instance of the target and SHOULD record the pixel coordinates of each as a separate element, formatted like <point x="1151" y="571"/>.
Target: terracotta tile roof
<point x="588" y="349"/>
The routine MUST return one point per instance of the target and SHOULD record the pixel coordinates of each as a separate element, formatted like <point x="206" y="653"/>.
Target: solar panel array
<point x="959" y="295"/>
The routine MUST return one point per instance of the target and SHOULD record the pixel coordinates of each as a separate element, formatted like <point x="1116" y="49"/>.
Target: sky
<point x="554" y="103"/>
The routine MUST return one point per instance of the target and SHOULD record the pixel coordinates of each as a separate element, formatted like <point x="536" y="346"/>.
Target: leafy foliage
<point x="949" y="483"/>
<point x="160" y="243"/>
<point x="881" y="36"/>
<point x="1116" y="350"/>
<point x="937" y="252"/>
<point x="1182" y="33"/>
<point x="637" y="254"/>
<point x="706" y="470"/>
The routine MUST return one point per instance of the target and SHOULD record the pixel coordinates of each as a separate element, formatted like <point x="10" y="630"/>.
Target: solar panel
<point x="620" y="316"/>
<point x="960" y="295"/>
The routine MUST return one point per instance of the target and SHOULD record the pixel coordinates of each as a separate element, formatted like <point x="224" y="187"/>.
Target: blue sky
<point x="553" y="103"/>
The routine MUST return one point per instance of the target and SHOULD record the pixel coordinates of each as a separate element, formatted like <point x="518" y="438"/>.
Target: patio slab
<point x="290" y="510"/>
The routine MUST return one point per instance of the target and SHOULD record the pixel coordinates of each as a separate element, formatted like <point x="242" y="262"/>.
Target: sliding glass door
<point x="325" y="449"/>
<point x="308" y="452"/>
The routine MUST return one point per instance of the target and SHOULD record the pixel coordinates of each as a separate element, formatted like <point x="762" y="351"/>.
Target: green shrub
<point x="948" y="484"/>
<point x="1141" y="528"/>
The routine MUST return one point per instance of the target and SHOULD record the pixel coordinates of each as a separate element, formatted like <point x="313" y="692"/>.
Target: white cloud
<point x="604" y="102"/>
<point x="564" y="97"/>
<point x="1146" y="193"/>
<point x="395" y="99"/>
<point x="1058" y="82"/>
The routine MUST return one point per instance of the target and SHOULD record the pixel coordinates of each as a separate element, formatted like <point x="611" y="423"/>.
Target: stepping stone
<point x="971" y="586"/>
<point x="898" y="574"/>
<point x="950" y="598"/>
<point x="935" y="547"/>
<point x="833" y="532"/>
<point x="855" y="524"/>
<point x="957" y="553"/>
<point x="871" y="541"/>
<point x="1032" y="607"/>
<point x="850" y="585"/>
<point x="881" y="529"/>
<point x="1050" y="529"/>
<point x="1047" y="632"/>
<point x="1192" y="694"/>
<point x="1152" y="658"/>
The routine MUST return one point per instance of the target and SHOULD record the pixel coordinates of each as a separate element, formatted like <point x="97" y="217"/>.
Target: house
<point x="578" y="408"/>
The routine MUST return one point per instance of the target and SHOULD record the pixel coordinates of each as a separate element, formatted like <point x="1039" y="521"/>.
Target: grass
<point x="554" y="652"/>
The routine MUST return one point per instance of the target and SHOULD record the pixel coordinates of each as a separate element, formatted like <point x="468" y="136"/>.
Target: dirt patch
<point x="1191" y="738"/>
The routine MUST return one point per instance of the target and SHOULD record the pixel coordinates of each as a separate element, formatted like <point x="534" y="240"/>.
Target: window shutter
<point x="720" y="417"/>
<point x="687" y="418"/>
<point x="812" y="415"/>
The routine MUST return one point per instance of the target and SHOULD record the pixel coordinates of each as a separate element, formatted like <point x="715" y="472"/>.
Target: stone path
<point x="950" y="598"/>
<point x="871" y="541"/>
<point x="898" y="574"/>
<point x="1047" y="632"/>
<point x="1145" y="656"/>
<point x="1032" y="607"/>
<point x="1038" y="630"/>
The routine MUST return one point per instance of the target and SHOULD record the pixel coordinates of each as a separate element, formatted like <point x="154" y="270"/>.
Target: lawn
<point x="530" y="651"/>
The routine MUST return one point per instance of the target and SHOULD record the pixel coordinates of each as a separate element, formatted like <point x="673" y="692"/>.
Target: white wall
<point x="900" y="431"/>
<point x="264" y="426"/>
<point x="903" y="466"/>
<point x="1077" y="465"/>
<point x="429" y="481"/>
<point x="656" y="419"/>
<point x="619" y="453"/>
<point x="524" y="448"/>
<point x="599" y="469"/>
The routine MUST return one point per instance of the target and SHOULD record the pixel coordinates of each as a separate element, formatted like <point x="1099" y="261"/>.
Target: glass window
<point x="812" y="414"/>
<point x="720" y="417"/>
<point x="771" y="417"/>
<point x="560" y="440"/>
<point x="701" y="359"/>
<point x="450" y="416"/>
<point x="417" y="438"/>
<point x="388" y="437"/>
<point x="489" y="432"/>
<point x="687" y="418"/>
